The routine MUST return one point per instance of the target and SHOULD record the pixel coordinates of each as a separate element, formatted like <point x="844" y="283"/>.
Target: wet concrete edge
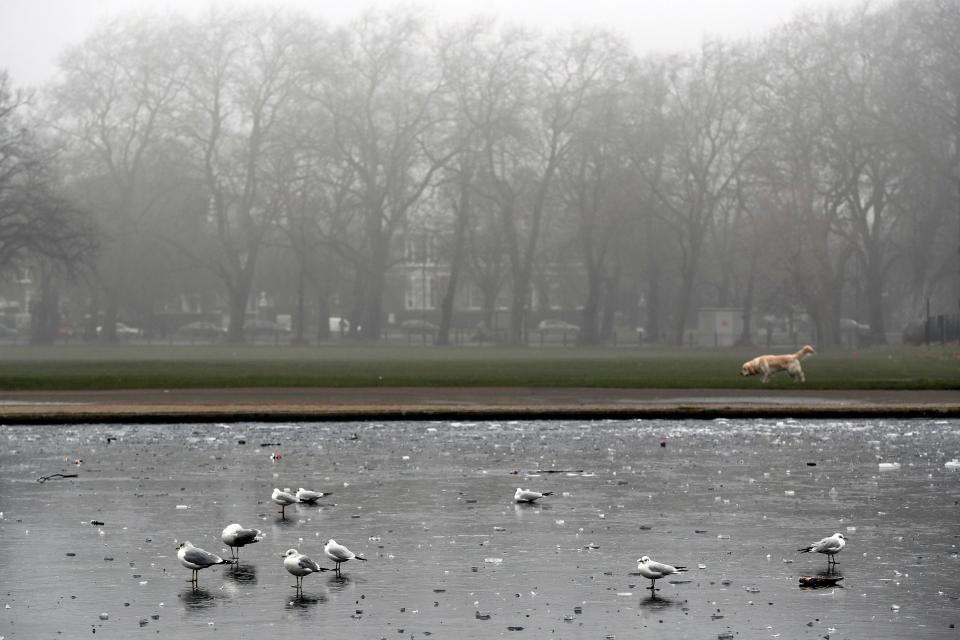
<point x="36" y="415"/>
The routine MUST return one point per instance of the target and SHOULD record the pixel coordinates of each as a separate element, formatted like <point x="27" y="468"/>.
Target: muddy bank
<point x="260" y="405"/>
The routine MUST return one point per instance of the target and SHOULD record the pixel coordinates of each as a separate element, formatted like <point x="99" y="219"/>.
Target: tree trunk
<point x="323" y="315"/>
<point x="516" y="333"/>
<point x="589" y="333"/>
<point x="746" y="334"/>
<point x="653" y="286"/>
<point x="108" y="328"/>
<point x="456" y="264"/>
<point x="611" y="304"/>
<point x="300" y="337"/>
<point x="373" y="301"/>
<point x="238" y="297"/>
<point x="45" y="314"/>
<point x="874" y="291"/>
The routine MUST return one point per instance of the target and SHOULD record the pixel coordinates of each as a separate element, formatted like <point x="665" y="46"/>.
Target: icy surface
<point x="450" y="554"/>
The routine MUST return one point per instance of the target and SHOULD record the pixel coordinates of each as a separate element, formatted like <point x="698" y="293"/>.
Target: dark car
<point x="417" y="325"/>
<point x="264" y="328"/>
<point x="208" y="330"/>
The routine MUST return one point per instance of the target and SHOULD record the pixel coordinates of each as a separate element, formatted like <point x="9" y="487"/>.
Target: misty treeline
<point x="813" y="171"/>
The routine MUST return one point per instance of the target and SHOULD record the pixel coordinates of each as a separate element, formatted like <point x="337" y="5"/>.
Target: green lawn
<point x="141" y="366"/>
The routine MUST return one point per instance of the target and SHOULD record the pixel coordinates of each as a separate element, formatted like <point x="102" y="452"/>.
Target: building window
<point x="420" y="294"/>
<point x="418" y="248"/>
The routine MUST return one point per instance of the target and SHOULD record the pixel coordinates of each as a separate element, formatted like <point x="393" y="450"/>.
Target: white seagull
<point x="310" y="497"/>
<point x="655" y="570"/>
<point x="830" y="546"/>
<point x="284" y="499"/>
<point x="235" y="536"/>
<point x="300" y="565"/>
<point x="339" y="553"/>
<point x="526" y="495"/>
<point x="195" y="558"/>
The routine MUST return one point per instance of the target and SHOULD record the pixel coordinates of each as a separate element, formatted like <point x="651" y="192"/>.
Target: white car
<point x="557" y="326"/>
<point x="123" y="331"/>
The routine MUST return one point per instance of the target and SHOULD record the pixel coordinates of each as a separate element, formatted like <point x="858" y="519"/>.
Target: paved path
<point x="390" y="403"/>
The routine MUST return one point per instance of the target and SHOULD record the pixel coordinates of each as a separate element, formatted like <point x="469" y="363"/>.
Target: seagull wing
<point x="339" y="552"/>
<point x="201" y="558"/>
<point x="309" y="565"/>
<point x="247" y="536"/>
<point x="662" y="569"/>
<point x="305" y="495"/>
<point x="828" y="544"/>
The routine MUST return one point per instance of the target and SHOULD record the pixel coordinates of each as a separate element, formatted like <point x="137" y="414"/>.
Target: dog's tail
<point x="804" y="351"/>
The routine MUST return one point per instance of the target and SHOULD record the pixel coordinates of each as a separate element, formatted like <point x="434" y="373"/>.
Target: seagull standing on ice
<point x="339" y="553"/>
<point x="655" y="570"/>
<point x="830" y="546"/>
<point x="235" y="536"/>
<point x="310" y="497"/>
<point x="526" y="495"/>
<point x="284" y="499"/>
<point x="195" y="558"/>
<point x="300" y="565"/>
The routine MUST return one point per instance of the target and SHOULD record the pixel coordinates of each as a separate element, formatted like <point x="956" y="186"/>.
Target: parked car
<point x="8" y="332"/>
<point x="554" y="325"/>
<point x="208" y="330"/>
<point x="124" y="331"/>
<point x="263" y="328"/>
<point x="418" y="325"/>
<point x="849" y="324"/>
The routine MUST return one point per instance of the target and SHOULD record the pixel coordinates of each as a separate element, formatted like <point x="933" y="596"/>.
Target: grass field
<point x="154" y="367"/>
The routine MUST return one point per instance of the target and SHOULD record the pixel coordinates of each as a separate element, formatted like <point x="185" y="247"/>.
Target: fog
<point x="240" y="172"/>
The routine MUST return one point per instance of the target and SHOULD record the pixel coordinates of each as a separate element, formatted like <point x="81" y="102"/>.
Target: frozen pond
<point x="451" y="555"/>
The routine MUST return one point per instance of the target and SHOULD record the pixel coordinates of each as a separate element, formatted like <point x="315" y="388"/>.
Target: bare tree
<point x="795" y="112"/>
<point x="594" y="183"/>
<point x="921" y="58"/>
<point x="244" y="73"/>
<point x="382" y="91"/>
<point x="706" y="107"/>
<point x="112" y="107"/>
<point x="524" y="151"/>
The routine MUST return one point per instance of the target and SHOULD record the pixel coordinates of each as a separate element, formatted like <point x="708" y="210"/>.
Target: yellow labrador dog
<point x="771" y="365"/>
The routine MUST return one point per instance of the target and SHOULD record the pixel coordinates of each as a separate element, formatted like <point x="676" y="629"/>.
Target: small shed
<point x="719" y="326"/>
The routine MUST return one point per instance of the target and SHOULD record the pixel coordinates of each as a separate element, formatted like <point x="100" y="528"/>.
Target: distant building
<point x="719" y="326"/>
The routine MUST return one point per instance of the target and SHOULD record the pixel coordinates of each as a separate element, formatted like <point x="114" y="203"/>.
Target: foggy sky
<point x="33" y="33"/>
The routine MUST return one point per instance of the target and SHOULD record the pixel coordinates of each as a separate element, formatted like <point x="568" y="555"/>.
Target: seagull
<point x="339" y="553"/>
<point x="310" y="497"/>
<point x="235" y="536"/>
<point x="283" y="498"/>
<point x="526" y="495"/>
<point x="830" y="546"/>
<point x="655" y="570"/>
<point x="195" y="558"/>
<point x="300" y="565"/>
